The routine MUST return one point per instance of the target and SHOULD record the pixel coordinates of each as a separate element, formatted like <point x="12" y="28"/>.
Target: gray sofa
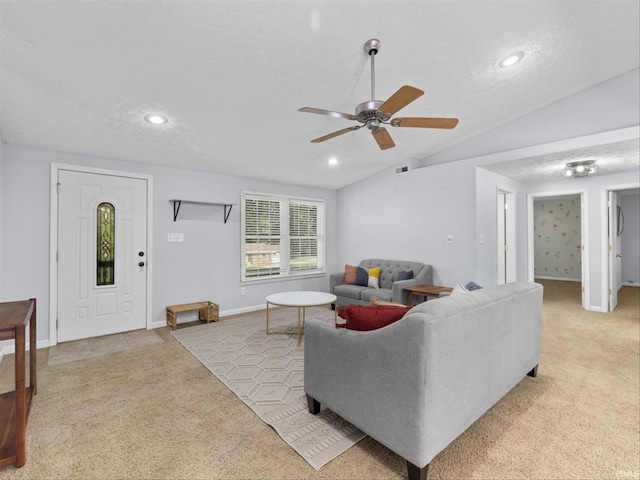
<point x="417" y="384"/>
<point x="391" y="290"/>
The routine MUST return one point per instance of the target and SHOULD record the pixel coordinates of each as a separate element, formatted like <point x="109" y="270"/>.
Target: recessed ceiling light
<point x="511" y="59"/>
<point x="333" y="161"/>
<point x="156" y="119"/>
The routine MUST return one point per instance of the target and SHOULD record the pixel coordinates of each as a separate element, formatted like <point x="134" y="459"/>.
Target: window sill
<point x="283" y="278"/>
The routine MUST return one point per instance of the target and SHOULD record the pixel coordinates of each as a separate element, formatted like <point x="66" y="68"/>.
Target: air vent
<point x="400" y="170"/>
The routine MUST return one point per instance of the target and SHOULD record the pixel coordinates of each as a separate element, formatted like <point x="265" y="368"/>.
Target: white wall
<point x="486" y="220"/>
<point x="631" y="239"/>
<point x="595" y="210"/>
<point x="408" y="217"/>
<point x="205" y="267"/>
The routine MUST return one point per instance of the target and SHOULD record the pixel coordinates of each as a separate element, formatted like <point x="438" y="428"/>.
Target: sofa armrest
<point x="335" y="279"/>
<point x="423" y="277"/>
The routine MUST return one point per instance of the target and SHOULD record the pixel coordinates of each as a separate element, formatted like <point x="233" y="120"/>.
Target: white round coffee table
<point x="301" y="300"/>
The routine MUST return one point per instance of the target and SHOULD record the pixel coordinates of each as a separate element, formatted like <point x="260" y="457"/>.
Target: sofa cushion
<point x="350" y="274"/>
<point x="371" y="317"/>
<point x="350" y="291"/>
<point x="382" y="293"/>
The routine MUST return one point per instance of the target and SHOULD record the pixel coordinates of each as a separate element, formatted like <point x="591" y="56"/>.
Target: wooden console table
<point x="15" y="406"/>
<point x="425" y="291"/>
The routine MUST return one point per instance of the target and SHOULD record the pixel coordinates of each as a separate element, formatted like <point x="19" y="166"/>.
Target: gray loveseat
<point x="391" y="290"/>
<point x="417" y="384"/>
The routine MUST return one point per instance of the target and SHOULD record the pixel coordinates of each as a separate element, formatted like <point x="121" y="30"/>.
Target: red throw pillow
<point x="371" y="317"/>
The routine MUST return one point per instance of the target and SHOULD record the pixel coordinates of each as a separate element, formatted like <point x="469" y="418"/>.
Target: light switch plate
<point x="175" y="237"/>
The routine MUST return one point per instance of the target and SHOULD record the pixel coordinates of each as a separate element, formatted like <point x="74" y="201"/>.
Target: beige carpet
<point x="157" y="413"/>
<point x="267" y="373"/>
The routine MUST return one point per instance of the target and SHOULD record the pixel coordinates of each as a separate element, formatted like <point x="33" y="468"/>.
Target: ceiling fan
<point x="374" y="113"/>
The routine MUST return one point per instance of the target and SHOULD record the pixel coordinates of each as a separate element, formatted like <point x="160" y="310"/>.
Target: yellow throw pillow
<point x="374" y="277"/>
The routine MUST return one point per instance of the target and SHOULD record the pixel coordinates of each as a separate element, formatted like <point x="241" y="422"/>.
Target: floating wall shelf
<point x="178" y="203"/>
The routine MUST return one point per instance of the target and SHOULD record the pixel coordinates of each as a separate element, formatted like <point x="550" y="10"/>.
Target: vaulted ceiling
<point x="79" y="76"/>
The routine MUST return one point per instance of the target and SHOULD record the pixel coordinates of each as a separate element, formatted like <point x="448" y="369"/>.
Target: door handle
<point x="618" y="255"/>
<point x="141" y="264"/>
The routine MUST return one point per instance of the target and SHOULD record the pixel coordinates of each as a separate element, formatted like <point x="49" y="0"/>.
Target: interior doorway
<point x="558" y="239"/>
<point x="621" y="249"/>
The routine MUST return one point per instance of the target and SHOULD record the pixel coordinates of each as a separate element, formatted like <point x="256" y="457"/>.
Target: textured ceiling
<point x="611" y="158"/>
<point x="78" y="76"/>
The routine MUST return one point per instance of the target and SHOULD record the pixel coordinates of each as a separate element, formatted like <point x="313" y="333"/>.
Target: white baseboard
<point x="630" y="284"/>
<point x="10" y="347"/>
<point x="591" y="308"/>
<point x="560" y="279"/>
<point x="227" y="313"/>
<point x="238" y="311"/>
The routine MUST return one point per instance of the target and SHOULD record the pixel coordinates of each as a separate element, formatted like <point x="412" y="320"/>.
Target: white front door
<point x="102" y="254"/>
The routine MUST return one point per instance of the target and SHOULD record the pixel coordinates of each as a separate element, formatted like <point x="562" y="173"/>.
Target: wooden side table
<point x="15" y="406"/>
<point x="425" y="291"/>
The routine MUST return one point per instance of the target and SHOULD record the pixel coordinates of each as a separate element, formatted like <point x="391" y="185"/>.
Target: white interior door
<point x="102" y="247"/>
<point x="613" y="248"/>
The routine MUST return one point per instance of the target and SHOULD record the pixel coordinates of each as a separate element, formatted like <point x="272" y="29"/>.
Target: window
<point x="281" y="236"/>
<point x="105" y="244"/>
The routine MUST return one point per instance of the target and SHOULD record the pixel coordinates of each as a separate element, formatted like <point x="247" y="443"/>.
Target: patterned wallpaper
<point x="557" y="239"/>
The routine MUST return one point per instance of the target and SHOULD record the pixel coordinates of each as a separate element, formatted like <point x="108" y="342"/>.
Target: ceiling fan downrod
<point x="371" y="47"/>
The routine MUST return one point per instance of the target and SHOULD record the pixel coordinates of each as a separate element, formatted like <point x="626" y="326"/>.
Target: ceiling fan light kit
<point x="581" y="168"/>
<point x="375" y="113"/>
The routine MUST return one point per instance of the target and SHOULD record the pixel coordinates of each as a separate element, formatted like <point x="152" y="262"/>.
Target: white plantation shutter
<point x="281" y="236"/>
<point x="306" y="235"/>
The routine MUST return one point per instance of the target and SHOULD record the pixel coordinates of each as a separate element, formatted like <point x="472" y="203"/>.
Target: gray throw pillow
<point x="405" y="275"/>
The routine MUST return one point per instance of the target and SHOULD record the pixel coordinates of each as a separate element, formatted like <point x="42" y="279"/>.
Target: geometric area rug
<point x="266" y="373"/>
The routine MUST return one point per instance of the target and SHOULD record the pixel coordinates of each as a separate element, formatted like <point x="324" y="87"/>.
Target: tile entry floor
<point x="98" y="346"/>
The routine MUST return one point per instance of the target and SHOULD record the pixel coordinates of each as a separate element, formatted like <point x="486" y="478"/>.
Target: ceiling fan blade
<point x="335" y="134"/>
<point x="383" y="138"/>
<point x="403" y="97"/>
<point x="425" y="122"/>
<point x="331" y="113"/>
